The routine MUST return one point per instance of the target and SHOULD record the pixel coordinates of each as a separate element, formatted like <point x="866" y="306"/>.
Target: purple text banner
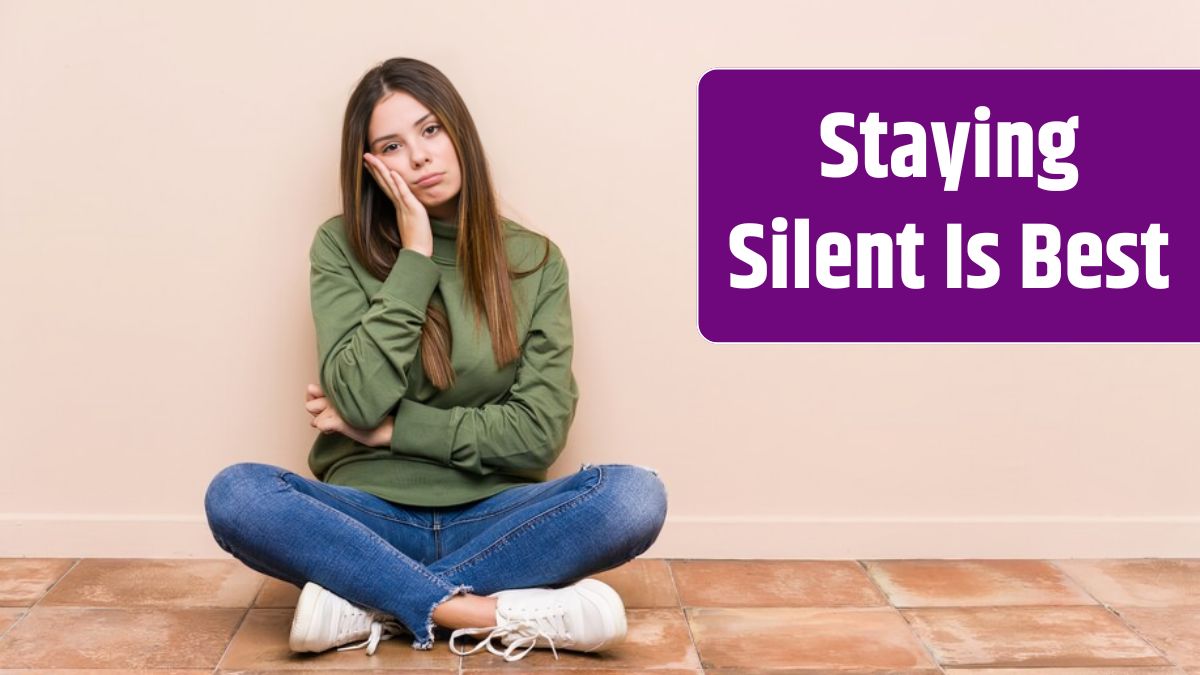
<point x="949" y="206"/>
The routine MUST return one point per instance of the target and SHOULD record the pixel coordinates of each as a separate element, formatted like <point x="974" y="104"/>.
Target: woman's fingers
<point x="404" y="191"/>
<point x="393" y="186"/>
<point x="315" y="402"/>
<point x="370" y="164"/>
<point x="327" y="422"/>
<point x="390" y="188"/>
<point x="383" y="177"/>
<point x="382" y="182"/>
<point x="411" y="216"/>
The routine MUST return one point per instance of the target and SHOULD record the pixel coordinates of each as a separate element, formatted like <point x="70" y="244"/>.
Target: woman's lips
<point x="430" y="180"/>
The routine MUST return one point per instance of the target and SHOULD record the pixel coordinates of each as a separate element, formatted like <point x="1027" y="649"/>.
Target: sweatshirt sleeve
<point x="365" y="344"/>
<point x="528" y="430"/>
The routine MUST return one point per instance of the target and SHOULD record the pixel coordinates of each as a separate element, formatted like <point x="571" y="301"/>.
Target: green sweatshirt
<point x="495" y="428"/>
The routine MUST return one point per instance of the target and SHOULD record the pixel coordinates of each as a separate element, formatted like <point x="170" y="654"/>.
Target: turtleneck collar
<point x="445" y="241"/>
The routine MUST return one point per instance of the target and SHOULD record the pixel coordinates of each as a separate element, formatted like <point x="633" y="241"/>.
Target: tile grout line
<point x="56" y="583"/>
<point x="253" y="604"/>
<point x="912" y="631"/>
<point x="232" y="636"/>
<point x="24" y="614"/>
<point x="686" y="619"/>
<point x="29" y="609"/>
<point x="262" y="586"/>
<point x="1115" y="613"/>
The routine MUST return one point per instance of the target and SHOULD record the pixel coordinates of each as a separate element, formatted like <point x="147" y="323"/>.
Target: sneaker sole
<point x="614" y="622"/>
<point x="306" y="621"/>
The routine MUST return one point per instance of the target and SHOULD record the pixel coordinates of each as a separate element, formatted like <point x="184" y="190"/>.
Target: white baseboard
<point x="704" y="537"/>
<point x="825" y="538"/>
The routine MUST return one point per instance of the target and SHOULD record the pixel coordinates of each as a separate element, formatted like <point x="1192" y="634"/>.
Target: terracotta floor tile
<point x="23" y="581"/>
<point x="656" y="638"/>
<point x="818" y="671"/>
<point x="1145" y="670"/>
<point x="1011" y="637"/>
<point x="643" y="583"/>
<point x="1174" y="630"/>
<point x="1151" y="582"/>
<point x="585" y="671"/>
<point x="261" y="643"/>
<point x="340" y="671"/>
<point x="749" y="617"/>
<point x="821" y="671"/>
<point x="99" y="582"/>
<point x="276" y="593"/>
<point x="363" y="669"/>
<point x="963" y="583"/>
<point x="85" y="637"/>
<point x="812" y="637"/>
<point x="106" y="671"/>
<point x="774" y="583"/>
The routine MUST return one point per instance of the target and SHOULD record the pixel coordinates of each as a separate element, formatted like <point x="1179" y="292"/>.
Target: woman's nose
<point x="420" y="157"/>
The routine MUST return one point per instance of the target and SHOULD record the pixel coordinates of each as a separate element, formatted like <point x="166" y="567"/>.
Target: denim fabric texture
<point x="405" y="560"/>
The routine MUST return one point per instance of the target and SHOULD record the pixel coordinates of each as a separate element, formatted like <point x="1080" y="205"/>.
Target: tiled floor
<point x="988" y="617"/>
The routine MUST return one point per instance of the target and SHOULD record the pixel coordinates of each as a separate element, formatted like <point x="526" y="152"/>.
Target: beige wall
<point x="163" y="167"/>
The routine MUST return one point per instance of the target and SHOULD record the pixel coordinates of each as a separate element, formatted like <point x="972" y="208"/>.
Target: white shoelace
<point x="528" y="625"/>
<point x="377" y="635"/>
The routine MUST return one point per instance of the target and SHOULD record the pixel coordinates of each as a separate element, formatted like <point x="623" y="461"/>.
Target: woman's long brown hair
<point x="370" y="217"/>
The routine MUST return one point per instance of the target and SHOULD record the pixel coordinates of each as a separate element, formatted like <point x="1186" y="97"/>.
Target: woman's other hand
<point x="411" y="217"/>
<point x="328" y="421"/>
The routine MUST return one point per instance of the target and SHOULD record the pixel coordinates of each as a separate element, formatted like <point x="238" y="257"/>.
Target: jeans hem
<point x="427" y="642"/>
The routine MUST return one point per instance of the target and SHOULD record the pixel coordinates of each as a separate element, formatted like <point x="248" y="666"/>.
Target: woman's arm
<point x="328" y="421"/>
<point x="366" y="344"/>
<point x="527" y="431"/>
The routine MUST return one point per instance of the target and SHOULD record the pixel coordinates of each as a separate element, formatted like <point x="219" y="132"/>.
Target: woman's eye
<point x="429" y="128"/>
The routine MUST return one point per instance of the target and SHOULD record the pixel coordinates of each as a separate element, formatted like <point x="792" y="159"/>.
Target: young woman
<point x="444" y="342"/>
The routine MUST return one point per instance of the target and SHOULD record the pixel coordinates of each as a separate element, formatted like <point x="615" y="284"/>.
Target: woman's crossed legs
<point x="408" y="561"/>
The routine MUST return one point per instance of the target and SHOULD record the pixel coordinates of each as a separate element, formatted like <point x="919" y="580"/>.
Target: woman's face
<point x="411" y="140"/>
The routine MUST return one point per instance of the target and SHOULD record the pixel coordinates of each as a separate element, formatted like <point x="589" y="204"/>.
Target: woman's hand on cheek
<point x="411" y="217"/>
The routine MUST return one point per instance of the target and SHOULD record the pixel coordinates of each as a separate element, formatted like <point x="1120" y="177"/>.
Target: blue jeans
<point x="406" y="560"/>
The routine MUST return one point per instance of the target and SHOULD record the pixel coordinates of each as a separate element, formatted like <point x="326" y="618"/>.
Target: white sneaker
<point x="324" y="620"/>
<point x="587" y="616"/>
